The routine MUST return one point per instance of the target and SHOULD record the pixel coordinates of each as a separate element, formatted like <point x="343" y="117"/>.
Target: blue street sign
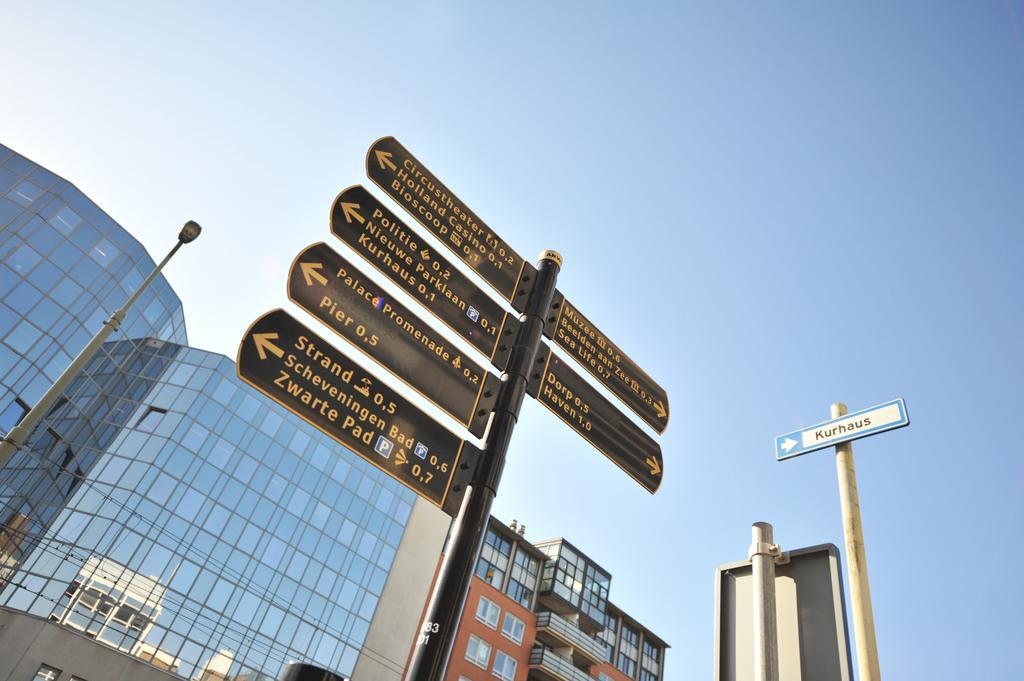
<point x="853" y="426"/>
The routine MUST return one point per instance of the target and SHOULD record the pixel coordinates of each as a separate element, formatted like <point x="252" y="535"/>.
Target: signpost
<point x="392" y="168"/>
<point x="395" y="170"/>
<point x="293" y="366"/>
<point x="331" y="289"/>
<point x="304" y="374"/>
<point x="839" y="432"/>
<point x="581" y="407"/>
<point x="397" y="252"/>
<point x="431" y="203"/>
<point x="362" y="222"/>
<point x="848" y="427"/>
<point x="609" y="364"/>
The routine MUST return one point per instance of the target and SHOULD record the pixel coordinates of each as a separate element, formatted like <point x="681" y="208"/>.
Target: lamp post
<point x="20" y="433"/>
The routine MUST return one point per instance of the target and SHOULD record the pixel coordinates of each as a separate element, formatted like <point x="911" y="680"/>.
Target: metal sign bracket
<point x="764" y="549"/>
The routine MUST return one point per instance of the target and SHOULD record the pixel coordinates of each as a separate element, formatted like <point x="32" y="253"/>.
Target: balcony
<point x="556" y="631"/>
<point x="546" y="665"/>
<point x="567" y="604"/>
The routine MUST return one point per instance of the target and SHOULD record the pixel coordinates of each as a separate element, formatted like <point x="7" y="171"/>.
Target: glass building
<point x="66" y="267"/>
<point x="163" y="508"/>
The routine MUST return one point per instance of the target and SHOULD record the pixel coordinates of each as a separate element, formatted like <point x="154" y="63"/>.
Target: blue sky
<point x="770" y="206"/>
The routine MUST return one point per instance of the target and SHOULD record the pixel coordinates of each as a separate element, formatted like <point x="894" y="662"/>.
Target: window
<point x="139" y="623"/>
<point x="46" y="673"/>
<point x="25" y="193"/>
<point x="149" y="420"/>
<point x="59" y="449"/>
<point x="105" y="606"/>
<point x="89" y="598"/>
<point x="512" y="628"/>
<point x="595" y="592"/>
<point x="104" y="252"/>
<point x="494" y="559"/>
<point x="523" y="578"/>
<point x="568" y="575"/>
<point x="10" y="416"/>
<point x="575" y="578"/>
<point x="478" y="651"/>
<point x="487" y="612"/>
<point x="123" y="614"/>
<point x="650" y="662"/>
<point x="607" y="635"/>
<point x="65" y="220"/>
<point x="629" y="638"/>
<point x="504" y="666"/>
<point x="519" y="593"/>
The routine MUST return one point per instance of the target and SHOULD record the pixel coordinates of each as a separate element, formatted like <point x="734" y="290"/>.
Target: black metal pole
<point x="436" y="634"/>
<point x="298" y="671"/>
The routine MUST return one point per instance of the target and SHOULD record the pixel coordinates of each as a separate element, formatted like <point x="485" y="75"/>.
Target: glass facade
<point x="506" y="565"/>
<point x="576" y="579"/>
<point x="493" y="561"/>
<point x="650" y="663"/>
<point x="629" y="638"/>
<point x="65" y="267"/>
<point x="606" y="637"/>
<point x="523" y="580"/>
<point x="163" y="507"/>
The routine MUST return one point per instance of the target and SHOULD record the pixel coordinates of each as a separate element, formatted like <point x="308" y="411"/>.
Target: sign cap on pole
<point x="553" y="256"/>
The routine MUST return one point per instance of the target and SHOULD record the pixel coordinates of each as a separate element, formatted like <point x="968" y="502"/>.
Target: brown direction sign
<point x="395" y="170"/>
<point x="397" y="252"/>
<point x="392" y="168"/>
<point x="606" y="362"/>
<point x="331" y="289"/>
<point x="307" y="376"/>
<point x="580" y="406"/>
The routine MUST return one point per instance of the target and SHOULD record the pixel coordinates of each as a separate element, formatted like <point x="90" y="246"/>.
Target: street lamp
<point x="20" y="433"/>
<point x="189" y="232"/>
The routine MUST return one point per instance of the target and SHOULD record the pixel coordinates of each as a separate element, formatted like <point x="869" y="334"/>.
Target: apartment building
<point x="541" y="612"/>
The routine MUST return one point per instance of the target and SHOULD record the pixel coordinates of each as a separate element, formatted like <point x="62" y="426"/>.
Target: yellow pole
<point x="856" y="560"/>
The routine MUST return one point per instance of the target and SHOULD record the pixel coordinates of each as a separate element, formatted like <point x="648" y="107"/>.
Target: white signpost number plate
<point x="850" y="427"/>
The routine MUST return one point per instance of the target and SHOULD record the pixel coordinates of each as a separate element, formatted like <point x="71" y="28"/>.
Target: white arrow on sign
<point x="788" y="444"/>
